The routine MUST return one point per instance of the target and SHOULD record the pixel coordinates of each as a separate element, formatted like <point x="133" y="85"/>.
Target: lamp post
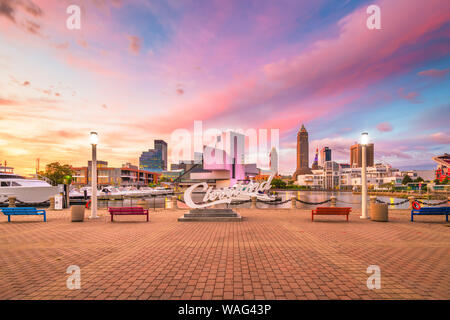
<point x="94" y="141"/>
<point x="364" y="141"/>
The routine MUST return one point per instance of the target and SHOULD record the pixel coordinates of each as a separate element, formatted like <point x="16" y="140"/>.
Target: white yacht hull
<point x="36" y="194"/>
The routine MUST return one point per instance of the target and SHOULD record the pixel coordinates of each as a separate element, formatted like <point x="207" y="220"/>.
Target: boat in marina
<point x="24" y="190"/>
<point x="129" y="191"/>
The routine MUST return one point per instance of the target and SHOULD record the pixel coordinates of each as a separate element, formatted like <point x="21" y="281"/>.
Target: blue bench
<point x="431" y="211"/>
<point x="24" y="211"/>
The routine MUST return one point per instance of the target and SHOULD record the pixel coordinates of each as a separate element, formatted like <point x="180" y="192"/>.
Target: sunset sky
<point x="139" y="69"/>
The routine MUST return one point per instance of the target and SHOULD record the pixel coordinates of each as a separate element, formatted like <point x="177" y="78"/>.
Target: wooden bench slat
<point x="431" y="211"/>
<point x="24" y="211"/>
<point x="330" y="211"/>
<point x="127" y="211"/>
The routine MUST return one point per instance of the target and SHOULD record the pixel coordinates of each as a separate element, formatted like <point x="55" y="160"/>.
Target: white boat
<point x="261" y="197"/>
<point x="162" y="191"/>
<point x="121" y="191"/>
<point x="25" y="190"/>
<point x="75" y="193"/>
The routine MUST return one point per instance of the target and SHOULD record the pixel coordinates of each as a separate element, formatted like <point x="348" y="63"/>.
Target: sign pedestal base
<point x="209" y="214"/>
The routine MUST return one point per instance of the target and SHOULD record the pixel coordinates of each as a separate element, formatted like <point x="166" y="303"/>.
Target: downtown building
<point x="273" y="164"/>
<point x="302" y="153"/>
<point x="325" y="155"/>
<point x="333" y="176"/>
<point x="127" y="175"/>
<point x="356" y="155"/>
<point x="220" y="165"/>
<point x="443" y="167"/>
<point x="154" y="160"/>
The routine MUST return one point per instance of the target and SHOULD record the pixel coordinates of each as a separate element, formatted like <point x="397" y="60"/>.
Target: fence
<point x="171" y="202"/>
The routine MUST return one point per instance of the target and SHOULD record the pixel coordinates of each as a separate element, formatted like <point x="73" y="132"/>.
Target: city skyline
<point x="137" y="71"/>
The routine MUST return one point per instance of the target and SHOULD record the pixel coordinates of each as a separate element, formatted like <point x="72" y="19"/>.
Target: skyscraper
<point x="325" y="155"/>
<point x="315" y="164"/>
<point x="302" y="153"/>
<point x="154" y="159"/>
<point x="356" y="155"/>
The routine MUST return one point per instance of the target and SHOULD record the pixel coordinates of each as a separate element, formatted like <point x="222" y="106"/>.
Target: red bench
<point x="127" y="211"/>
<point x="330" y="211"/>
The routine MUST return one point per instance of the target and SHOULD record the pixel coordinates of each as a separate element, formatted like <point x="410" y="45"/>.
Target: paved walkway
<point x="272" y="254"/>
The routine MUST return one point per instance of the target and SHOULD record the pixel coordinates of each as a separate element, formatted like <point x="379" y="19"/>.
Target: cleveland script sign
<point x="237" y="192"/>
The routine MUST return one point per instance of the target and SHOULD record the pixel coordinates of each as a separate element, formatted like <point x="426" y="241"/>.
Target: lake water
<point x="344" y="199"/>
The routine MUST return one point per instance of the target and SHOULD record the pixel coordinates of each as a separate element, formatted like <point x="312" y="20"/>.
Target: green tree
<point x="58" y="173"/>
<point x="406" y="179"/>
<point x="445" y="181"/>
<point x="278" y="183"/>
<point x="387" y="185"/>
<point x="419" y="179"/>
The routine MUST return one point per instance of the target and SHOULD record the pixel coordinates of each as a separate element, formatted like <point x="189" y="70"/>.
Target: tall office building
<point x="154" y="160"/>
<point x="325" y="155"/>
<point x="302" y="153"/>
<point x="356" y="155"/>
<point x="315" y="164"/>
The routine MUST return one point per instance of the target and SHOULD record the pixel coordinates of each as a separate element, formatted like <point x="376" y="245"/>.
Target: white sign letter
<point x="74" y="280"/>
<point x="374" y="21"/>
<point x="374" y="281"/>
<point x="74" y="21"/>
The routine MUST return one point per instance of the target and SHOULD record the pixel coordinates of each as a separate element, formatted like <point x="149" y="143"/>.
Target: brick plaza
<point x="272" y="254"/>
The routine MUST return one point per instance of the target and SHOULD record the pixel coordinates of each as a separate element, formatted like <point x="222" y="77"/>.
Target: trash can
<point x="379" y="212"/>
<point x="77" y="210"/>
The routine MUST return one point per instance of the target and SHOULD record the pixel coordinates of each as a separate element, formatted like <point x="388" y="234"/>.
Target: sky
<point x="138" y="70"/>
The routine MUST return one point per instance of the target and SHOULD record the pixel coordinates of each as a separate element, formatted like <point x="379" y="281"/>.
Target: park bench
<point x="431" y="211"/>
<point x="127" y="211"/>
<point x="23" y="211"/>
<point x="330" y="211"/>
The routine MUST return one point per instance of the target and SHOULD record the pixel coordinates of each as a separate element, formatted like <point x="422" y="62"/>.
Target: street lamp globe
<point x="94" y="138"/>
<point x="364" y="138"/>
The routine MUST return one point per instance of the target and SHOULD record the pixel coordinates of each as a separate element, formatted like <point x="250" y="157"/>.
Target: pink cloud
<point x="359" y="57"/>
<point x="8" y="102"/>
<point x="384" y="127"/>
<point x="410" y="96"/>
<point x="435" y="73"/>
<point x="135" y="44"/>
<point x="440" y="137"/>
<point x="238" y="78"/>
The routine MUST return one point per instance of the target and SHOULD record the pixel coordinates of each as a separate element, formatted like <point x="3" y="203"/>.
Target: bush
<point x="278" y="183"/>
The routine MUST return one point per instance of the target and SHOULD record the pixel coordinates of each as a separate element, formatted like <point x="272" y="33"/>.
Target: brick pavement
<point x="272" y="254"/>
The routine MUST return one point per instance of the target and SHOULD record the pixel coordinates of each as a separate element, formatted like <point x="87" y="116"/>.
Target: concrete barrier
<point x="293" y="202"/>
<point x="52" y="203"/>
<point x="411" y="200"/>
<point x="11" y="202"/>
<point x="253" y="205"/>
<point x="333" y="201"/>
